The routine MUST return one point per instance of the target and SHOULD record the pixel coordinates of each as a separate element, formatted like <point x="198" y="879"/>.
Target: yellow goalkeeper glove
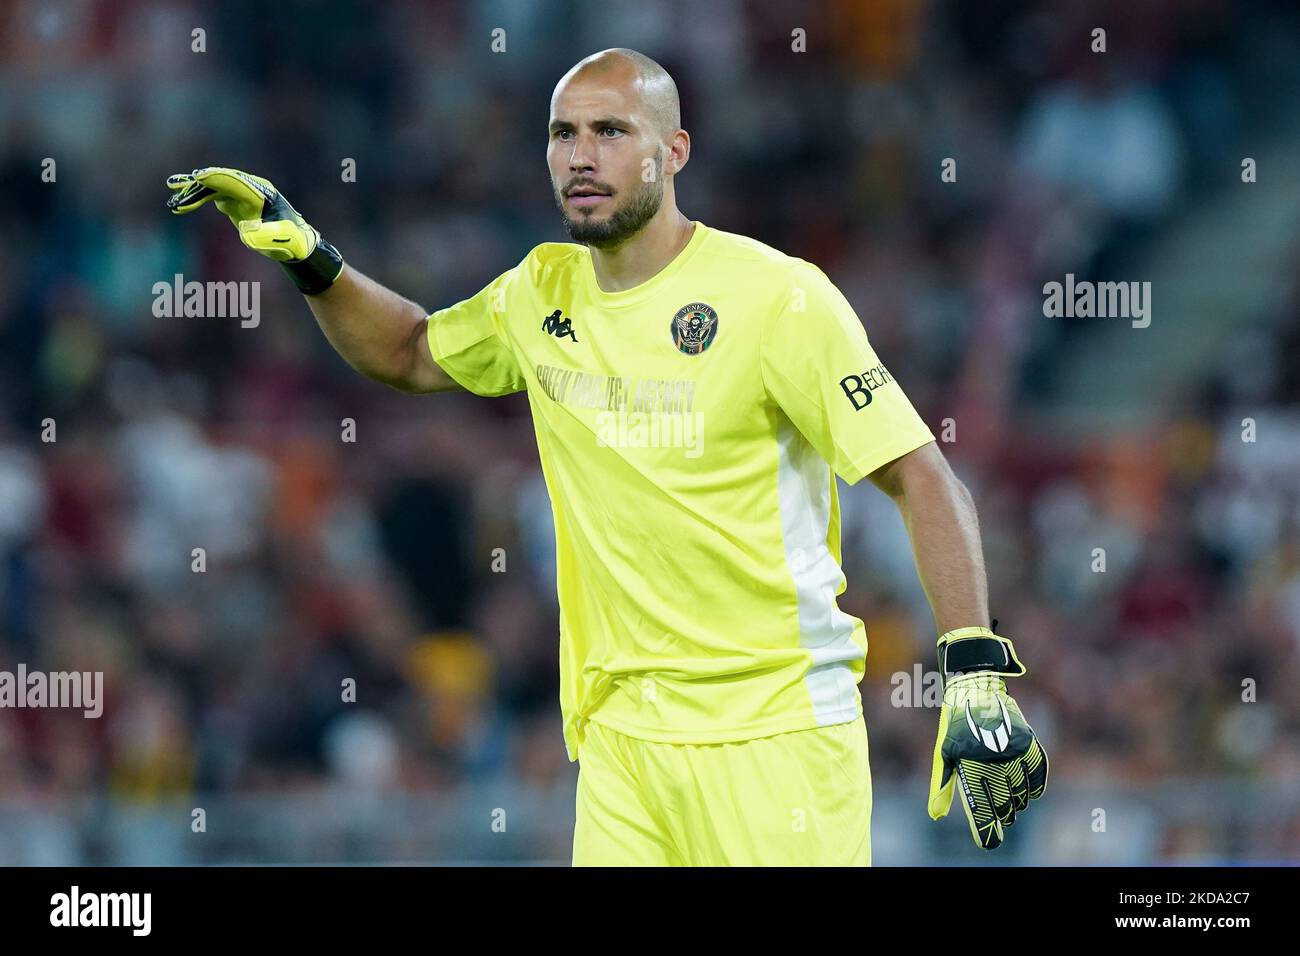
<point x="265" y="220"/>
<point x="984" y="742"/>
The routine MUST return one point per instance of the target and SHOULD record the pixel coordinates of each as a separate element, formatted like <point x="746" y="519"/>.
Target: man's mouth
<point x="585" y="197"/>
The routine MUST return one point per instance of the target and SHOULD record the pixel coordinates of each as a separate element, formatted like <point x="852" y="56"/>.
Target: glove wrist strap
<point x="968" y="649"/>
<point x="318" y="271"/>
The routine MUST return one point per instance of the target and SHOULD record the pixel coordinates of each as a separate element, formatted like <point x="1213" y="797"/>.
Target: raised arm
<point x="378" y="332"/>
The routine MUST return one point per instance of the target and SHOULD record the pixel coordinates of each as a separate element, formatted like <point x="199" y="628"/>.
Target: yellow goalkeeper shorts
<point x="795" y="799"/>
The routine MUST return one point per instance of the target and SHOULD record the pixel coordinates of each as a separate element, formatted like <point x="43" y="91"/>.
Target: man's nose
<point x="582" y="157"/>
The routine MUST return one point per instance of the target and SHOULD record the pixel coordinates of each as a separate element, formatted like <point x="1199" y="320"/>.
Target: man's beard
<point x="626" y="221"/>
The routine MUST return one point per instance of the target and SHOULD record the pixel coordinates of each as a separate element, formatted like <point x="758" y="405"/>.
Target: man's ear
<point x="680" y="162"/>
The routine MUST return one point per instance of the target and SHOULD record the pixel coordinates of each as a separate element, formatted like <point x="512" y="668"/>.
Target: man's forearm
<point x="372" y="327"/>
<point x="941" y="521"/>
<point x="378" y="333"/>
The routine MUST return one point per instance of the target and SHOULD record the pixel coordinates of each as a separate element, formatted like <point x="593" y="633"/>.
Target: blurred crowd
<point x="238" y="530"/>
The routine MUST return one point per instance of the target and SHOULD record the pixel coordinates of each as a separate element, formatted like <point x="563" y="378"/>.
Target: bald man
<point x="694" y="394"/>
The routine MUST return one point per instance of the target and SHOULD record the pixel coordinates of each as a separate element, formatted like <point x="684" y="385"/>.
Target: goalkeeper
<point x="708" y="677"/>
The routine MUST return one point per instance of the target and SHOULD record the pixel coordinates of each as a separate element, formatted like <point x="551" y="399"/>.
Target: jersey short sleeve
<point x="819" y="367"/>
<point x="468" y="340"/>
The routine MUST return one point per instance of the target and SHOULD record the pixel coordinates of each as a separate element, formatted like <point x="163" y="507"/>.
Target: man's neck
<point x="643" y="256"/>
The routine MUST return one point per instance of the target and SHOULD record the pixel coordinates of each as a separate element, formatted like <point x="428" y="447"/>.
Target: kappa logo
<point x="996" y="739"/>
<point x="555" y="324"/>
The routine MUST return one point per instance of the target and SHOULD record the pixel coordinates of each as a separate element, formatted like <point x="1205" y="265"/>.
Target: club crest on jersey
<point x="694" y="328"/>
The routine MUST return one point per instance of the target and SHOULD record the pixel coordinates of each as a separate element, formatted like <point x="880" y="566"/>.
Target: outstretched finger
<point x="188" y="196"/>
<point x="232" y="182"/>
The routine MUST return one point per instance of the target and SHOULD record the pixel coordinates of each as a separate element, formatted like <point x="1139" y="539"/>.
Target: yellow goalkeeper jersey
<point x="689" y="431"/>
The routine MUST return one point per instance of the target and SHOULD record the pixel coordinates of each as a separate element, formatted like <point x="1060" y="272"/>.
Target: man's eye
<point x="610" y="129"/>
